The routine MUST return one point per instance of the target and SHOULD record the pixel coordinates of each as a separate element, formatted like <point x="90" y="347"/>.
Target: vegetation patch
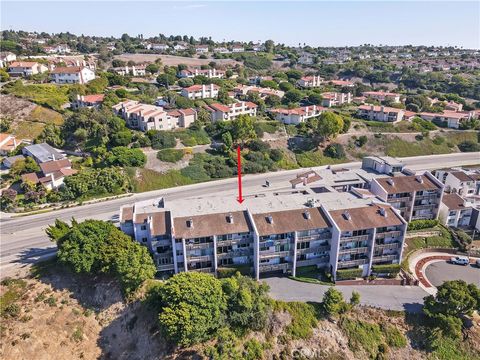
<point x="364" y="336"/>
<point x="316" y="158"/>
<point x="14" y="290"/>
<point x="305" y="317"/>
<point x="146" y="180"/>
<point x="48" y="95"/>
<point x="170" y="155"/>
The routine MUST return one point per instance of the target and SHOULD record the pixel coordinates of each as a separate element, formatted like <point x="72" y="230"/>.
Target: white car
<point x="460" y="260"/>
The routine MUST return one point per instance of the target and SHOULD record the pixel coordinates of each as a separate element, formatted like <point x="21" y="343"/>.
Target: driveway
<point x="442" y="271"/>
<point x="389" y="297"/>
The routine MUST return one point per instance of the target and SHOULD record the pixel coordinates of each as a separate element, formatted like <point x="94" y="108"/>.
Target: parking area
<point x="441" y="271"/>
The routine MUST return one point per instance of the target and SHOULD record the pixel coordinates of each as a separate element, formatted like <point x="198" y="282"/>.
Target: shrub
<point x="226" y="272"/>
<point x="170" y="155"/>
<point x="363" y="335"/>
<point x="335" y="151"/>
<point x="161" y="139"/>
<point x="468" y="146"/>
<point x="393" y="336"/>
<point x="304" y="318"/>
<point x="355" y="298"/>
<point x="253" y="350"/>
<point x="333" y="302"/>
<point x="345" y="274"/>
<point x="391" y="270"/>
<point x="422" y="224"/>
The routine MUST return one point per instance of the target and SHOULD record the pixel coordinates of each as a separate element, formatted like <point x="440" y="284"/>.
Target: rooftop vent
<point x="419" y="178"/>
<point x="307" y="215"/>
<point x="346" y="215"/>
<point x="270" y="219"/>
<point x="390" y="182"/>
<point x="230" y="218"/>
<point x="190" y="223"/>
<point x="383" y="212"/>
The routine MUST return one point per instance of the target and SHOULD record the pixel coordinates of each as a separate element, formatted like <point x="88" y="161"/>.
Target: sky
<point x="316" y="23"/>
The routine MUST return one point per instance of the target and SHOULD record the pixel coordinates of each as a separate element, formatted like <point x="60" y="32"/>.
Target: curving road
<point x="23" y="239"/>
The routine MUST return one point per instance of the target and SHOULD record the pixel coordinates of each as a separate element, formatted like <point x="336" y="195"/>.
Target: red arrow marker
<point x="239" y="171"/>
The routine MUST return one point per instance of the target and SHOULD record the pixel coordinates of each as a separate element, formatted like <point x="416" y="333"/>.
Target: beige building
<point x="220" y="112"/>
<point x="25" y="68"/>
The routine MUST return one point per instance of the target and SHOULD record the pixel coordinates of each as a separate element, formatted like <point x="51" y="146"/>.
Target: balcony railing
<point x="313" y="249"/>
<point x="314" y="237"/>
<point x="352" y="263"/>
<point x="199" y="246"/>
<point x="165" y="267"/>
<point x="424" y="206"/>
<point x="233" y="242"/>
<point x="398" y="199"/>
<point x="426" y="197"/>
<point x="355" y="238"/>
<point x="275" y="267"/>
<point x="315" y="261"/>
<point x="394" y="245"/>
<point x="423" y="217"/>
<point x="392" y="234"/>
<point x="358" y="250"/>
<point x="384" y="258"/>
<point x="204" y="270"/>
<point x="194" y="258"/>
<point x="268" y="255"/>
<point x="235" y="253"/>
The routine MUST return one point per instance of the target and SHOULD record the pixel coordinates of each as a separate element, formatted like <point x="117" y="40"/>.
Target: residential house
<point x="330" y="99"/>
<point x="341" y="83"/>
<point x="242" y="90"/>
<point x="42" y="153"/>
<point x="150" y="117"/>
<point x="455" y="211"/>
<point x="220" y="112"/>
<point x="25" y="68"/>
<point x="310" y="81"/>
<point x="416" y="197"/>
<point x="88" y="101"/>
<point x="238" y="49"/>
<point x="52" y="174"/>
<point x="159" y="47"/>
<point x="180" y="46"/>
<point x="72" y="75"/>
<point x="58" y="49"/>
<point x="383" y="164"/>
<point x="221" y="50"/>
<point x="200" y="91"/>
<point x="258" y="47"/>
<point x="382" y="96"/>
<point x="462" y="183"/>
<point x="209" y="73"/>
<point x="380" y="113"/>
<point x="8" y="143"/>
<point x="452" y="119"/>
<point x="135" y="70"/>
<point x="6" y="58"/>
<point x="297" y="115"/>
<point x="9" y="161"/>
<point x="201" y="49"/>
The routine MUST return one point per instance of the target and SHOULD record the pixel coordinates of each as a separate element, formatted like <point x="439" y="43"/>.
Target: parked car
<point x="460" y="260"/>
<point x="477" y="263"/>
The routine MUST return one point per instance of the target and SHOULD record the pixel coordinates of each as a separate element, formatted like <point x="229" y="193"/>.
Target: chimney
<point x="390" y="182"/>
<point x="419" y="178"/>
<point x="382" y="108"/>
<point x="53" y="157"/>
<point x="211" y="90"/>
<point x="307" y="215"/>
<point x="190" y="223"/>
<point x="230" y="218"/>
<point x="270" y="219"/>
<point x="383" y="212"/>
<point x="346" y="215"/>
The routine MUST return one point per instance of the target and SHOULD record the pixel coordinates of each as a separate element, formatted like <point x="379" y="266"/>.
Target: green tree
<point x="333" y="302"/>
<point x="52" y="135"/>
<point x="124" y="156"/>
<point x="315" y="98"/>
<point x="355" y="298"/>
<point x="192" y="307"/>
<point x="292" y="96"/>
<point x="243" y="129"/>
<point x="161" y="139"/>
<point x="166" y="79"/>
<point x="329" y="125"/>
<point x="4" y="76"/>
<point x="227" y="139"/>
<point x="152" y="68"/>
<point x="24" y="166"/>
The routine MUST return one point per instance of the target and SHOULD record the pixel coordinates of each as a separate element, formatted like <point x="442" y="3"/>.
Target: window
<point x="144" y="239"/>
<point x="143" y="227"/>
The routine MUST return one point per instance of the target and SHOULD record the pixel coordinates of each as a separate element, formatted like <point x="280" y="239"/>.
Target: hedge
<point x="226" y="272"/>
<point x="391" y="269"/>
<point x="422" y="224"/>
<point x="346" y="274"/>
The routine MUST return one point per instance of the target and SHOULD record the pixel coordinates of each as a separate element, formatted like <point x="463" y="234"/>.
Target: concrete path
<point x="389" y="297"/>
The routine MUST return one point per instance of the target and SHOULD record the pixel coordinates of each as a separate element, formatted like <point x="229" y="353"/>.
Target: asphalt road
<point x="391" y="297"/>
<point x="23" y="239"/>
<point x="439" y="272"/>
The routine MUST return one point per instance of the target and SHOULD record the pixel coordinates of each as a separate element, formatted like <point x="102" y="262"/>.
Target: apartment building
<point x="382" y="96"/>
<point x="330" y="99"/>
<point x="310" y="81"/>
<point x="271" y="233"/>
<point x="200" y="91"/>
<point x="455" y="211"/>
<point x="462" y="183"/>
<point x="209" y="73"/>
<point x="366" y="236"/>
<point x="25" y="68"/>
<point x="72" y="75"/>
<point x="416" y="197"/>
<point x="452" y="119"/>
<point x="220" y="112"/>
<point x="297" y="115"/>
<point x="150" y="117"/>
<point x="380" y="113"/>
<point x="135" y="70"/>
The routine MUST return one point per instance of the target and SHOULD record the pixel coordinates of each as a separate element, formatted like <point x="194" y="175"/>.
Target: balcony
<point x="358" y="250"/>
<point x="313" y="249"/>
<point x="384" y="258"/>
<point x="423" y="217"/>
<point x="426" y="197"/>
<point x="235" y="253"/>
<point x="314" y="237"/>
<point x="315" y="261"/>
<point x="424" y="206"/>
<point x="277" y="241"/>
<point x="230" y="242"/>
<point x="398" y="199"/>
<point x="392" y="234"/>
<point x="394" y="245"/>
<point x="355" y="238"/>
<point x="352" y="263"/>
<point x="199" y="246"/>
<point x="274" y="267"/>
<point x="194" y="258"/>
<point x="166" y="267"/>
<point x="204" y="270"/>
<point x="269" y="255"/>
